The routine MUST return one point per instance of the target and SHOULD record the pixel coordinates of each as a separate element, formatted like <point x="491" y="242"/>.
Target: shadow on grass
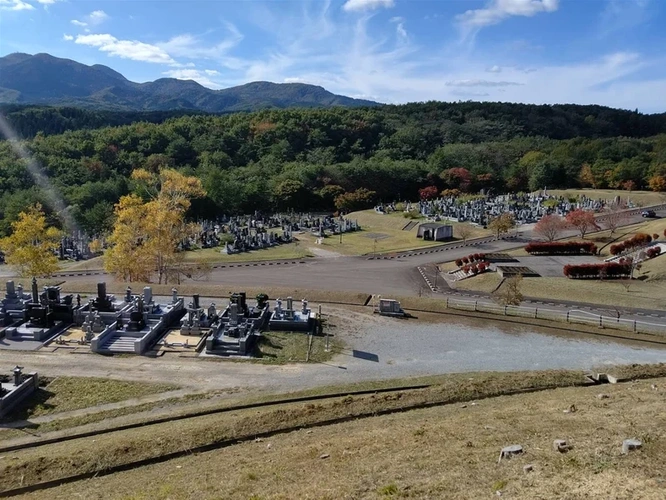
<point x="25" y="410"/>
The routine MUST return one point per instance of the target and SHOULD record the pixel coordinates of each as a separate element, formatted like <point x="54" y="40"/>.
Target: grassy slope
<point x="642" y="198"/>
<point x="443" y="452"/>
<point x="73" y="393"/>
<point x="387" y="229"/>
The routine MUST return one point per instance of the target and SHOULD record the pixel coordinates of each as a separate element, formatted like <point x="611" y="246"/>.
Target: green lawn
<point x="292" y="347"/>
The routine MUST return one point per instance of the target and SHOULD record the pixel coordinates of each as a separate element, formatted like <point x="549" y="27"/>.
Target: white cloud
<point x="400" y="30"/>
<point x="67" y="38"/>
<point x="47" y="2"/>
<point x="126" y="49"/>
<point x="15" y="5"/>
<point x="622" y="15"/>
<point x="201" y="77"/>
<point x="211" y="72"/>
<point x="191" y="47"/>
<point x="352" y="59"/>
<point x="95" y="18"/>
<point x="362" y="5"/>
<point x="497" y="11"/>
<point x="479" y="83"/>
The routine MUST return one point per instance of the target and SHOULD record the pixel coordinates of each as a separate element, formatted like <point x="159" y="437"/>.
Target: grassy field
<point x="388" y="233"/>
<point x="294" y="250"/>
<point x="647" y="291"/>
<point x="442" y="452"/>
<point x="641" y="198"/>
<point x="292" y="347"/>
<point x="610" y="293"/>
<point x="73" y="393"/>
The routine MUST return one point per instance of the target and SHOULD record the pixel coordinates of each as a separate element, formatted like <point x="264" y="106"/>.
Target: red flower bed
<point x="561" y="248"/>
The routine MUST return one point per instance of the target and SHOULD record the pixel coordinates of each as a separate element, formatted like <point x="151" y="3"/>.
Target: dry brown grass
<point x="486" y="282"/>
<point x="86" y="455"/>
<point x="443" y="452"/>
<point x="643" y="198"/>
<point x="610" y="293"/>
<point x="73" y="393"/>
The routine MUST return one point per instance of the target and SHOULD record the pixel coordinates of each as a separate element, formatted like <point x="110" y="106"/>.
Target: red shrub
<point x="561" y="248"/>
<point x="459" y="262"/>
<point x="608" y="270"/>
<point x="465" y="260"/>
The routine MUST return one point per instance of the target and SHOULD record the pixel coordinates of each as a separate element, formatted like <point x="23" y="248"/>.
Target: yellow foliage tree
<point x="32" y="245"/>
<point x="128" y="258"/>
<point x="502" y="223"/>
<point x="586" y="176"/>
<point x="146" y="233"/>
<point x="657" y="183"/>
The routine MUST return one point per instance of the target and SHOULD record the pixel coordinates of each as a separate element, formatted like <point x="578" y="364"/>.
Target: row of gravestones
<point x="253" y="233"/>
<point x="525" y="208"/>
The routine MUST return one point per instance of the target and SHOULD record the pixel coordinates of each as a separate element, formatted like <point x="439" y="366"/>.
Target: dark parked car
<point x="648" y="213"/>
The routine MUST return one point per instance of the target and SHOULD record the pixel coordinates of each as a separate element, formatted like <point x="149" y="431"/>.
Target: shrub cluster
<point x="470" y="259"/>
<point x="475" y="268"/>
<point x="653" y="252"/>
<point x="610" y="270"/>
<point x="562" y="248"/>
<point x="637" y="241"/>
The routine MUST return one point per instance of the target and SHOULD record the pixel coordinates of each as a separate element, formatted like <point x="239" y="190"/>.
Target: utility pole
<point x="328" y="345"/>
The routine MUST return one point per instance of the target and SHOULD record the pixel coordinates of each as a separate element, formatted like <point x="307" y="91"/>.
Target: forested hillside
<point x="305" y="159"/>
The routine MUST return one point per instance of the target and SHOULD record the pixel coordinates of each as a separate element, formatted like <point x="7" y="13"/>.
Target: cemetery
<point x="140" y="324"/>
<point x="256" y="232"/>
<point x="526" y="208"/>
<point x="17" y="390"/>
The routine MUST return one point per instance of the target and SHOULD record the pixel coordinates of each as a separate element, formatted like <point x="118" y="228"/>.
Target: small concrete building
<point x="433" y="231"/>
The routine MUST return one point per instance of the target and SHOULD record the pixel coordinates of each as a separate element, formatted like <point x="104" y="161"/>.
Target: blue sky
<point x="608" y="52"/>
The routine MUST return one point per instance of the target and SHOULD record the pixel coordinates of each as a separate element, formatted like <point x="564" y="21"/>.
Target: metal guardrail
<point x="568" y="316"/>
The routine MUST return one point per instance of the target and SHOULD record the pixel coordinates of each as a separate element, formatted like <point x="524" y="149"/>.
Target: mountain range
<point x="48" y="80"/>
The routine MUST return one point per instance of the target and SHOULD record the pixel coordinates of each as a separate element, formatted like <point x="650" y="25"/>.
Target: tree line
<point x="336" y="158"/>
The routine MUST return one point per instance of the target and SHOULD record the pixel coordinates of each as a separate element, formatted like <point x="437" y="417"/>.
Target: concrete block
<point x="510" y="451"/>
<point x="561" y="445"/>
<point x="631" y="445"/>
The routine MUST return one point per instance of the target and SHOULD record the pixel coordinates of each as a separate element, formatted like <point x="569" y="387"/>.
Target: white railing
<point x="565" y="316"/>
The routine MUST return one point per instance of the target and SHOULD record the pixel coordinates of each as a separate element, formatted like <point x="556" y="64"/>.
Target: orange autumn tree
<point x="582" y="220"/>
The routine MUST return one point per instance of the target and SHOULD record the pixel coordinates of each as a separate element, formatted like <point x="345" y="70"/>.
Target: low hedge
<point x="562" y="248"/>
<point x="609" y="270"/>
<point x="637" y="241"/>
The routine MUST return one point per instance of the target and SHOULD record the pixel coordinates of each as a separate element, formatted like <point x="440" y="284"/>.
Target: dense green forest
<point x="311" y="159"/>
